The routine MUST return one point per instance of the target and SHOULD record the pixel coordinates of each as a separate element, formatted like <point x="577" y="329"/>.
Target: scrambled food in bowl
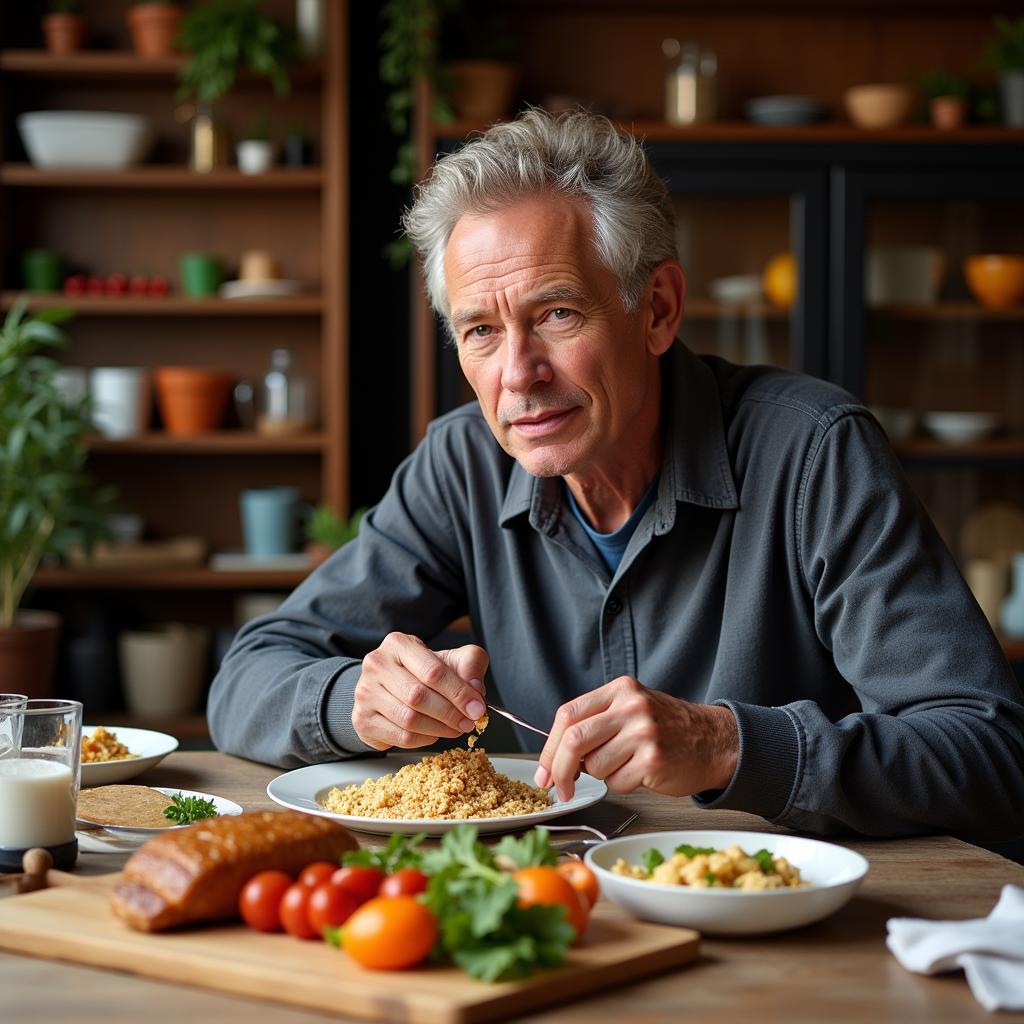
<point x="453" y="784"/>
<point x="104" y="746"/>
<point x="702" y="867"/>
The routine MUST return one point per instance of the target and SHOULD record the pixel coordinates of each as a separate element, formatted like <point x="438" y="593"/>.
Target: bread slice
<point x="196" y="874"/>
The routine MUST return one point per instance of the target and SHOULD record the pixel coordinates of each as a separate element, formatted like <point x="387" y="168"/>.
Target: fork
<point x="574" y="846"/>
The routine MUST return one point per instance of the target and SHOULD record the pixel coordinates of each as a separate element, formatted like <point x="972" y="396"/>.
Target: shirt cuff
<point x="336" y="713"/>
<point x="769" y="760"/>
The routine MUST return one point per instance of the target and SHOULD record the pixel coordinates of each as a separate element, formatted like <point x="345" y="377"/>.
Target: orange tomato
<point x="545" y="885"/>
<point x="581" y="878"/>
<point x="389" y="933"/>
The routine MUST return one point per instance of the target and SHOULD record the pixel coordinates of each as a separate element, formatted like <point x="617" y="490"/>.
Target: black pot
<point x="298" y="152"/>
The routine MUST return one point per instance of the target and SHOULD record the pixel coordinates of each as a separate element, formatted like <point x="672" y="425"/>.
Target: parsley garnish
<point x="400" y="852"/>
<point x="710" y="878"/>
<point x="652" y="858"/>
<point x="187" y="809"/>
<point x="765" y="861"/>
<point x="692" y="851"/>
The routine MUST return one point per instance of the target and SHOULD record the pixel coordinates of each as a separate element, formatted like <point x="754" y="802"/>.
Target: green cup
<point x="201" y="274"/>
<point x="42" y="270"/>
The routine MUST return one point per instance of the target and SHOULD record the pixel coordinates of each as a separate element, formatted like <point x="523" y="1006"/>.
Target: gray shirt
<point x="785" y="570"/>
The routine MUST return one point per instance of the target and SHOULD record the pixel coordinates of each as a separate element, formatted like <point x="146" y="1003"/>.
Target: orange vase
<point x="153" y="28"/>
<point x="192" y="399"/>
<point x="64" y="33"/>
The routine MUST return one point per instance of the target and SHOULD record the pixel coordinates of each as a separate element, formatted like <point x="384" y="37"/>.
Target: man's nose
<point x="525" y="362"/>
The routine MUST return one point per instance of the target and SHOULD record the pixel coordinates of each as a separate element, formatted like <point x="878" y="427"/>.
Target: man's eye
<point x="480" y="331"/>
<point x="562" y="313"/>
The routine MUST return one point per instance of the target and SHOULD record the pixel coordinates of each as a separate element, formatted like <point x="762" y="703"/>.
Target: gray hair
<point x="574" y="154"/>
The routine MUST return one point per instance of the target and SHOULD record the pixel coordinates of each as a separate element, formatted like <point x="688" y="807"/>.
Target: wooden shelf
<point x="222" y="442"/>
<point x="153" y="176"/>
<point x="826" y="131"/>
<point x="170" y="305"/>
<point x="990" y="448"/>
<point x="947" y="311"/>
<point x="165" y="579"/>
<point x="709" y="309"/>
<point x="123" y="65"/>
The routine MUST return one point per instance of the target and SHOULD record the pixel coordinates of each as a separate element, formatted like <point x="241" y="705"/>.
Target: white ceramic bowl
<point x="85" y="138"/>
<point x="151" y="748"/>
<point x="960" y="427"/>
<point x="833" y="871"/>
<point x="738" y="288"/>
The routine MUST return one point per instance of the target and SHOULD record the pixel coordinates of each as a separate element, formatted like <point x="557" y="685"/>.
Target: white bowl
<point x="833" y="871"/>
<point x="151" y="748"/>
<point x="960" y="427"/>
<point x="738" y="288"/>
<point x="85" y="138"/>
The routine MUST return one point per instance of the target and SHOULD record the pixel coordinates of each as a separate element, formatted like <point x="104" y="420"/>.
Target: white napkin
<point x="989" y="949"/>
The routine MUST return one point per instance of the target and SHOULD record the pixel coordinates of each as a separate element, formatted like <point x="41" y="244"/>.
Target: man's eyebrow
<point x="563" y="293"/>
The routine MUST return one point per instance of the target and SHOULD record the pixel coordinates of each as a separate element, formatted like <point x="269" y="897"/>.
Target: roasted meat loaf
<point x="196" y="874"/>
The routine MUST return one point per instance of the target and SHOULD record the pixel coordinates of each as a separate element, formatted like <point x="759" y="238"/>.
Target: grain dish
<point x="704" y="867"/>
<point x="103" y="745"/>
<point x="455" y="784"/>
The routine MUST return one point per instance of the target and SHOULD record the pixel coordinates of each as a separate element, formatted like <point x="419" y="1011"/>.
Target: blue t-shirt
<point x="612" y="546"/>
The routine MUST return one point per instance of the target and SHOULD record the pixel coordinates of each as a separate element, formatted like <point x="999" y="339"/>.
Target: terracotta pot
<point x="65" y="33"/>
<point x="318" y="553"/>
<point x="153" y="28"/>
<point x="996" y="280"/>
<point x="192" y="399"/>
<point x="483" y="90"/>
<point x="27" y="653"/>
<point x="948" y="112"/>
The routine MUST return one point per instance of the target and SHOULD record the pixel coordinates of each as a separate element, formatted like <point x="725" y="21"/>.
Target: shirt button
<point x="613" y="606"/>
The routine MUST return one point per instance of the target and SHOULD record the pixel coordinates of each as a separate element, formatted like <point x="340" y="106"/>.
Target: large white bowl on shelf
<point x="833" y="872"/>
<point x="85" y="138"/>
<point x="960" y="427"/>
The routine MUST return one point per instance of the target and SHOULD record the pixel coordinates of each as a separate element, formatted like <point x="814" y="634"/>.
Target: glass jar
<point x="287" y="400"/>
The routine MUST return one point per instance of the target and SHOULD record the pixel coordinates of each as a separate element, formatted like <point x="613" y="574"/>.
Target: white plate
<point x="272" y="289"/>
<point x="130" y="832"/>
<point x="302" y="788"/>
<point x="960" y="427"/>
<point x="833" y="871"/>
<point x="152" y="747"/>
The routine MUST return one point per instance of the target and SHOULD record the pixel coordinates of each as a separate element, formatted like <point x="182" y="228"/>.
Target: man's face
<point x="560" y="369"/>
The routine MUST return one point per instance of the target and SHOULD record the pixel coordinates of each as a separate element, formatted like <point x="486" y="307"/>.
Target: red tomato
<point x="115" y="284"/>
<point x="138" y="285"/>
<point x="330" y="904"/>
<point x="581" y="878"/>
<point x="317" y="872"/>
<point x="363" y="883"/>
<point x="95" y="284"/>
<point x="389" y="933"/>
<point x="404" y="882"/>
<point x="74" y="284"/>
<point x="260" y="900"/>
<point x="546" y="885"/>
<point x="157" y="287"/>
<point x="295" y="912"/>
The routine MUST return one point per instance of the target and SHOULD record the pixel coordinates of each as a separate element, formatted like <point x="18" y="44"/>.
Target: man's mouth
<point x="542" y="424"/>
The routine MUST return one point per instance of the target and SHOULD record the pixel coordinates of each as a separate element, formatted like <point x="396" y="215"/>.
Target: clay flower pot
<point x="153" y="28"/>
<point x="483" y="90"/>
<point x="65" y="33"/>
<point x="948" y="112"/>
<point x="27" y="653"/>
<point x="192" y="399"/>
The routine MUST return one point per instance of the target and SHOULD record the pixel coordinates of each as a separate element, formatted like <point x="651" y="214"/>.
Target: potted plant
<point x="482" y="70"/>
<point x="327" y="532"/>
<point x="49" y="503"/>
<point x="1006" y="54"/>
<point x="153" y="25"/>
<point x="946" y="96"/>
<point x="255" y="152"/>
<point x="65" y="29"/>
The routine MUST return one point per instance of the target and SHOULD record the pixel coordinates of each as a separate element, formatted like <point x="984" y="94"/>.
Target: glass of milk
<point x="40" y="753"/>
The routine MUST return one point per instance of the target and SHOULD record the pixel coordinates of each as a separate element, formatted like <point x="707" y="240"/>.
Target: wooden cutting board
<point x="73" y="922"/>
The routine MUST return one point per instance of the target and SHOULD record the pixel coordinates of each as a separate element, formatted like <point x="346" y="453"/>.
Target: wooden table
<point x="838" y="970"/>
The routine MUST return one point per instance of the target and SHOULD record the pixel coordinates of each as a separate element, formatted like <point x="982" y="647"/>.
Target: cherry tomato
<point x="74" y="284"/>
<point x="317" y="872"/>
<point x="94" y="285"/>
<point x="138" y="284"/>
<point x="115" y="284"/>
<point x="545" y="885"/>
<point x="581" y="878"/>
<point x="330" y="904"/>
<point x="389" y="933"/>
<point x="363" y="883"/>
<point x="157" y="287"/>
<point x="260" y="900"/>
<point x="404" y="882"/>
<point x="295" y="912"/>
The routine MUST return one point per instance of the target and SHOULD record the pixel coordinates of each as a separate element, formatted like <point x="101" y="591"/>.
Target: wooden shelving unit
<point x="18" y="175"/>
<point x="991" y="448"/>
<point x="955" y="312"/>
<point x="171" y="305"/>
<point x="166" y="579"/>
<point x="221" y="442"/>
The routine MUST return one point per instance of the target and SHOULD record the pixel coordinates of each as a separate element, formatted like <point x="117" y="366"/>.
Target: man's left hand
<point x="632" y="736"/>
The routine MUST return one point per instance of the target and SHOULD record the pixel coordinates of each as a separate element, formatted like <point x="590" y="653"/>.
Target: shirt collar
<point x="695" y="465"/>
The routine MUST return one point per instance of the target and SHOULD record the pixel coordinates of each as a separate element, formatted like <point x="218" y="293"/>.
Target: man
<point x="708" y="580"/>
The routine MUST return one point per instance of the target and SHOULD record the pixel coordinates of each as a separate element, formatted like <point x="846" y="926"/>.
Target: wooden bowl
<point x="996" y="280"/>
<point x="878" y="106"/>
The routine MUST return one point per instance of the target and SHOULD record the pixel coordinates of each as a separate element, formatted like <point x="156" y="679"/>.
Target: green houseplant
<point x="327" y="531"/>
<point x="48" y="502"/>
<point x="1006" y="55"/>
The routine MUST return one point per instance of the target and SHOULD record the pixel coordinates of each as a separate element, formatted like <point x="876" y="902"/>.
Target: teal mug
<point x="271" y="518"/>
<point x="201" y="274"/>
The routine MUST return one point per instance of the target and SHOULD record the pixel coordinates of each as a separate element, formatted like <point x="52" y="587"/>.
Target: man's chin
<point x="547" y="460"/>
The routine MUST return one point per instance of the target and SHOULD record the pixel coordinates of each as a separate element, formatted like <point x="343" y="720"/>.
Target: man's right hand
<point x="408" y="695"/>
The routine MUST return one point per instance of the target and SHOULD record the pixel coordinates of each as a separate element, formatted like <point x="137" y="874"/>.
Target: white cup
<point x="255" y="156"/>
<point x="121" y="400"/>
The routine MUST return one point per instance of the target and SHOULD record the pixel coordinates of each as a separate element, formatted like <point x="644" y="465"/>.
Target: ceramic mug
<point x="270" y="521"/>
<point x="201" y="274"/>
<point x="43" y="270"/>
<point x="121" y="400"/>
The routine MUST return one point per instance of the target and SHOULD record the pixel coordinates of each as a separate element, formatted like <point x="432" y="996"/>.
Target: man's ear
<point x="664" y="299"/>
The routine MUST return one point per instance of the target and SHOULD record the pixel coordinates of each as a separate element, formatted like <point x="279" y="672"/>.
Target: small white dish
<point x="152" y="748"/>
<point x="960" y="427"/>
<point x="736" y="289"/>
<point x="303" y="788"/>
<point x="832" y="871"/>
<point x="131" y="832"/>
<point x="277" y="288"/>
